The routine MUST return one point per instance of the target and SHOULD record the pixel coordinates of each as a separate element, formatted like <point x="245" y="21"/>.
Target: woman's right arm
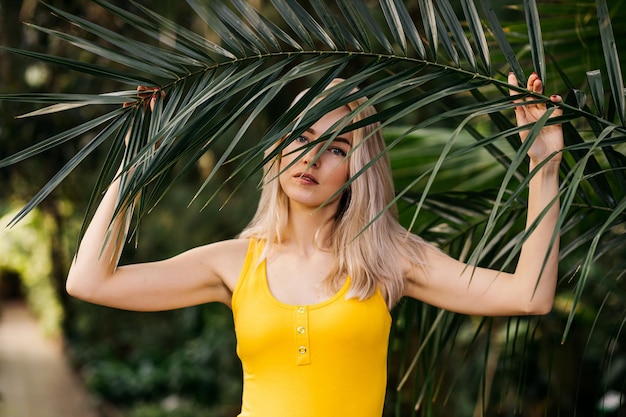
<point x="204" y="274"/>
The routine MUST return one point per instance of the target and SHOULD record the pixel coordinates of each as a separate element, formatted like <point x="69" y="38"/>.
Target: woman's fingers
<point x="145" y="92"/>
<point x="528" y="109"/>
<point x="556" y="99"/>
<point x="512" y="80"/>
<point x="520" y="108"/>
<point x="533" y="84"/>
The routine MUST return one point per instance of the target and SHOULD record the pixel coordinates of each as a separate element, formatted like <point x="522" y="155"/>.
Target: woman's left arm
<point x="455" y="286"/>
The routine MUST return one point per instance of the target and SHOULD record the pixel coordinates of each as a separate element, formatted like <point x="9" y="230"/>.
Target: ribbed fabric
<point x="322" y="360"/>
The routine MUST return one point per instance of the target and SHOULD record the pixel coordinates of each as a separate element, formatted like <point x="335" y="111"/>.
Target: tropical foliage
<point x="436" y="71"/>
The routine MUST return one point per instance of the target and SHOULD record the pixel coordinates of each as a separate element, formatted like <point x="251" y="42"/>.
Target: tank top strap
<point x="250" y="264"/>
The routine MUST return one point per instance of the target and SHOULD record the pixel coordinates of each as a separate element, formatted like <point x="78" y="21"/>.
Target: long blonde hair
<point x="368" y="241"/>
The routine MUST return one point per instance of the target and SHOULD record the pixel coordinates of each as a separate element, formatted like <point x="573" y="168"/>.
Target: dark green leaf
<point x="256" y="22"/>
<point x="452" y="22"/>
<point x="118" y="98"/>
<point x="354" y="21"/>
<point x="165" y="30"/>
<point x="581" y="98"/>
<point x="535" y="38"/>
<point x="159" y="68"/>
<point x="148" y="53"/>
<point x="594" y="78"/>
<point x="90" y="69"/>
<point x="394" y="23"/>
<point x="599" y="183"/>
<point x="576" y="176"/>
<point x="612" y="59"/>
<point x="409" y="29"/>
<point x="225" y="34"/>
<point x="500" y="36"/>
<point x="57" y="140"/>
<point x="297" y="18"/>
<point x="337" y="29"/>
<point x="430" y="26"/>
<point x="239" y="27"/>
<point x="65" y="171"/>
<point x="189" y="46"/>
<point x="359" y="9"/>
<point x="313" y="26"/>
<point x="446" y="42"/>
<point x="476" y="28"/>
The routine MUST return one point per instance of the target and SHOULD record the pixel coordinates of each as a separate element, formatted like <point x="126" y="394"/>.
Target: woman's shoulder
<point x="228" y="245"/>
<point x="227" y="258"/>
<point x="232" y="249"/>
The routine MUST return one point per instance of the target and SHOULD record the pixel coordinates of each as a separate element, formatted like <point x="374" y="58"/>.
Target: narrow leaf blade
<point x="535" y="38"/>
<point x="611" y="58"/>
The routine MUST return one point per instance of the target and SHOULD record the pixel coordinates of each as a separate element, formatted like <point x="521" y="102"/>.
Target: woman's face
<point x="310" y="182"/>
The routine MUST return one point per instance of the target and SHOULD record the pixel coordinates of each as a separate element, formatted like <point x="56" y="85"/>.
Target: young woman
<point x="310" y="293"/>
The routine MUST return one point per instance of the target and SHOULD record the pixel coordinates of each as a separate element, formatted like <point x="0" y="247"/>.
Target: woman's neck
<point x="309" y="229"/>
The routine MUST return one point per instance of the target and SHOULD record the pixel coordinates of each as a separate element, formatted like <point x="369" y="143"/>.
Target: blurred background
<point x="139" y="363"/>
<point x="183" y="363"/>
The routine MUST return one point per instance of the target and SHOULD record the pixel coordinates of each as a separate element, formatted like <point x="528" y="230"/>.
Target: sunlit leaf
<point x="478" y="34"/>
<point x="409" y="28"/>
<point x="535" y="38"/>
<point x="90" y="69"/>
<point x="429" y="24"/>
<point x="507" y="50"/>
<point x="461" y="173"/>
<point x="394" y="23"/>
<point x="597" y="90"/>
<point x="456" y="32"/>
<point x="616" y="81"/>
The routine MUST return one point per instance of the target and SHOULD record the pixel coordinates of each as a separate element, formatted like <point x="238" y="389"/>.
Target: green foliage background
<point x="183" y="363"/>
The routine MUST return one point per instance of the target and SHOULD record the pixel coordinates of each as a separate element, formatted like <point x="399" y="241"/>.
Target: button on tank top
<point x="322" y="360"/>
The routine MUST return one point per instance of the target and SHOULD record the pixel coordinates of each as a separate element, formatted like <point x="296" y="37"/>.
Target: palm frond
<point x="420" y="64"/>
<point x="616" y="78"/>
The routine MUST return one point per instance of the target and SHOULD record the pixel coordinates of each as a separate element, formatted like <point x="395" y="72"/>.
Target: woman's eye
<point x="301" y="139"/>
<point x="337" y="152"/>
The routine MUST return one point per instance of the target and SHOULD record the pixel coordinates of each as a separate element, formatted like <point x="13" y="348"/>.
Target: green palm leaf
<point x="616" y="80"/>
<point x="217" y="92"/>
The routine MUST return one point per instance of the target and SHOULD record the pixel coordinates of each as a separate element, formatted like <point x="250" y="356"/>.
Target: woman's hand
<point x="144" y="92"/>
<point x="549" y="142"/>
<point x="456" y="286"/>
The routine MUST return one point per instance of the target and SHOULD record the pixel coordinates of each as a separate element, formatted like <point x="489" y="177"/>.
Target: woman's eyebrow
<point x="337" y="139"/>
<point x="343" y="140"/>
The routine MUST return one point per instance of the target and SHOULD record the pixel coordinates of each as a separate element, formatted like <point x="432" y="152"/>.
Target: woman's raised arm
<point x="204" y="274"/>
<point x="450" y="284"/>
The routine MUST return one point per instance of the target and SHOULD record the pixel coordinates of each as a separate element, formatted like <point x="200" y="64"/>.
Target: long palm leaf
<point x="217" y="91"/>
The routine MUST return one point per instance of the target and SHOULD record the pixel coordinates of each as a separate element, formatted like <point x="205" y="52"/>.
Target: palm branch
<point x="423" y="66"/>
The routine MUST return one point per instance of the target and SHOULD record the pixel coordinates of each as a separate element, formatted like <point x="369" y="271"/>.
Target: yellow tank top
<point x="322" y="360"/>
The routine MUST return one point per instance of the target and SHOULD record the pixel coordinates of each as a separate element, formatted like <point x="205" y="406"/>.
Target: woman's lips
<point x="305" y="178"/>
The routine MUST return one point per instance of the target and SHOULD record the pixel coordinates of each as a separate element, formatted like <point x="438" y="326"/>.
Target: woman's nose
<point x="310" y="156"/>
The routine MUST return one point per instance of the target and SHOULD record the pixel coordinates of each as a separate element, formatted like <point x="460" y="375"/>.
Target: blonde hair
<point x="367" y="239"/>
